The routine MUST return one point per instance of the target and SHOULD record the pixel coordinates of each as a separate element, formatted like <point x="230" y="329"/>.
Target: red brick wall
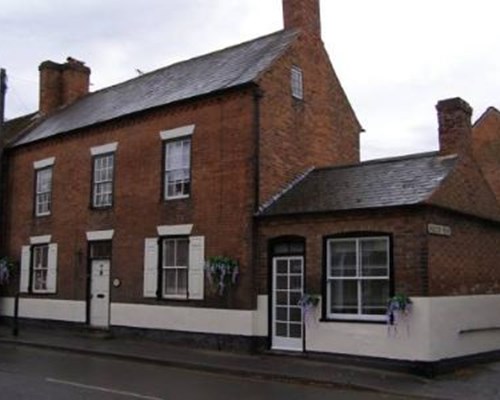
<point x="409" y="241"/>
<point x="423" y="264"/>
<point x="466" y="190"/>
<point x="220" y="207"/>
<point x="319" y="130"/>
<point x="467" y="262"/>
<point x="486" y="147"/>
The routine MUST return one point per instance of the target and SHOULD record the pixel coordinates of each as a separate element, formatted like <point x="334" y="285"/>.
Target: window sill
<point x="176" y="297"/>
<point x="354" y="321"/>
<point x="177" y="198"/>
<point x="101" y="208"/>
<point x="43" y="215"/>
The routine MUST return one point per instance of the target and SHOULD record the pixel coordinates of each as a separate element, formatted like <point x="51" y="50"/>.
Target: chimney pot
<point x="455" y="126"/>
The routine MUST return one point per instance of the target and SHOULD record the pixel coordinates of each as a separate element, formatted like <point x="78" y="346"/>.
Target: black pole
<point x="3" y="91"/>
<point x="15" y="328"/>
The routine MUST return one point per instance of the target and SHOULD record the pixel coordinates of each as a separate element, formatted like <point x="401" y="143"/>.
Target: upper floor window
<point x="358" y="278"/>
<point x="43" y="191"/>
<point x="102" y="185"/>
<point x="103" y="165"/>
<point x="177" y="181"/>
<point x="297" y="83"/>
<point x="177" y="162"/>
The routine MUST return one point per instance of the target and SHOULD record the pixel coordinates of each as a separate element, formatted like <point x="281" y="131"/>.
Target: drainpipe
<point x="257" y="96"/>
<point x="3" y="91"/>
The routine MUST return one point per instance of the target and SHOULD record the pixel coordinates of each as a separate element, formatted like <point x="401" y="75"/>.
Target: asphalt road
<point x="33" y="374"/>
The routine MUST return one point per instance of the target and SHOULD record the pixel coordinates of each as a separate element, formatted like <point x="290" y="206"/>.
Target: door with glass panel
<point x="288" y="288"/>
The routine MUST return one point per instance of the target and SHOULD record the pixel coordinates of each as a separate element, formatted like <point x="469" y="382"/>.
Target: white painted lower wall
<point x="437" y="328"/>
<point x="55" y="310"/>
<point x="189" y="319"/>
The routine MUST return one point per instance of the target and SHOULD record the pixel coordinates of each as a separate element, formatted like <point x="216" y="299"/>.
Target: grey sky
<point x="395" y="58"/>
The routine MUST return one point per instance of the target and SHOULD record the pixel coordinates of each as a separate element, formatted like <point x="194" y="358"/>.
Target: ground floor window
<point x="40" y="267"/>
<point x="175" y="262"/>
<point x="358" y="277"/>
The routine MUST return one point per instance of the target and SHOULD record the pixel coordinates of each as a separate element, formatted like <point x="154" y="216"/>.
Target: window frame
<point x="297" y="82"/>
<point x="38" y="172"/>
<point x="94" y="184"/>
<point x="166" y="143"/>
<point x="162" y="268"/>
<point x="327" y="279"/>
<point x="33" y="268"/>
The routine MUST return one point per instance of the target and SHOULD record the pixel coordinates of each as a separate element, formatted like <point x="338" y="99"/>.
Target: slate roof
<point x="13" y="127"/>
<point x="210" y="73"/>
<point x="391" y="182"/>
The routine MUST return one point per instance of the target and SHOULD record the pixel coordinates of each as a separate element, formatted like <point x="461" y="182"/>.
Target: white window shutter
<point x="150" y="267"/>
<point x="52" y="269"/>
<point x="196" y="267"/>
<point x="24" y="278"/>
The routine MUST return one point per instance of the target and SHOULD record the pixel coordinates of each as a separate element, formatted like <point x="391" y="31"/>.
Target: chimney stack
<point x="304" y="15"/>
<point x="62" y="84"/>
<point x="455" y="126"/>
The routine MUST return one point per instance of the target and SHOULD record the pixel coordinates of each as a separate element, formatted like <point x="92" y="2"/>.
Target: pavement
<point x="474" y="383"/>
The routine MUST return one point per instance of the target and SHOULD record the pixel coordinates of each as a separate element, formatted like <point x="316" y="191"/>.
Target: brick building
<point x="117" y="201"/>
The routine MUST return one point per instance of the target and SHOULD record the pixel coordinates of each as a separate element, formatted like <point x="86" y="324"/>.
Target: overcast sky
<point x="395" y="58"/>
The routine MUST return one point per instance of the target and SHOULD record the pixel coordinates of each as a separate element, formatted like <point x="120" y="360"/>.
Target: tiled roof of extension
<point x="224" y="69"/>
<point x="13" y="127"/>
<point x="391" y="182"/>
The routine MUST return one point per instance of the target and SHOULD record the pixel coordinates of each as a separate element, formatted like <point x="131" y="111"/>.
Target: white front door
<point x="99" y="294"/>
<point x="288" y="288"/>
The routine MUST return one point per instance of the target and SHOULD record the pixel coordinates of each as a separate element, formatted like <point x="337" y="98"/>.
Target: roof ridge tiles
<point x="382" y="161"/>
<point x="192" y="59"/>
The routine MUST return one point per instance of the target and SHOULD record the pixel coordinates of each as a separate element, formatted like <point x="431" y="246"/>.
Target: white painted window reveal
<point x="177" y="133"/>
<point x="100" y="235"/>
<point x="104" y="149"/>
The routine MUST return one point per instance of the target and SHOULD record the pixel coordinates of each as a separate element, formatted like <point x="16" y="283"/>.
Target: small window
<point x="177" y="169"/>
<point x="175" y="267"/>
<point x="100" y="250"/>
<point x="358" y="278"/>
<point x="43" y="195"/>
<point x="40" y="268"/>
<point x="102" y="187"/>
<point x="297" y="83"/>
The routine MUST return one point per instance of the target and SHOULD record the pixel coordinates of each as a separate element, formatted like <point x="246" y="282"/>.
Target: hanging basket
<point x="7" y="269"/>
<point x="222" y="273"/>
<point x="398" y="304"/>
